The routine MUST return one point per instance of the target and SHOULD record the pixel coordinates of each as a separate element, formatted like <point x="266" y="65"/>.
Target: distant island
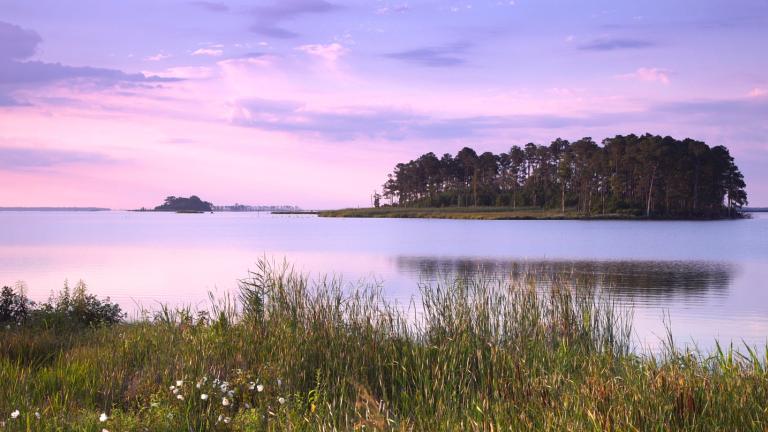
<point x="626" y="177"/>
<point x="192" y="204"/>
<point x="44" y="209"/>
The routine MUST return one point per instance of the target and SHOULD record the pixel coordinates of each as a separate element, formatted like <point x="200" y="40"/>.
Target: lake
<point x="705" y="279"/>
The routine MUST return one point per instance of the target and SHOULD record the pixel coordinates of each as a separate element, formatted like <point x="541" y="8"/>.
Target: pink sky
<point x="313" y="105"/>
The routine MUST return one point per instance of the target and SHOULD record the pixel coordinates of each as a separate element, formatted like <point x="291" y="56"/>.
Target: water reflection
<point x="630" y="281"/>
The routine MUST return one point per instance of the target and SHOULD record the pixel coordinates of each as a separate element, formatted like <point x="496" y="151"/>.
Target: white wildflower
<point x="37" y="415"/>
<point x="179" y="383"/>
<point x="175" y="391"/>
<point x="227" y="420"/>
<point x="204" y="396"/>
<point x="281" y="400"/>
<point x="180" y="397"/>
<point x="15" y="414"/>
<point x="103" y="417"/>
<point x="259" y="388"/>
<point x="225" y="401"/>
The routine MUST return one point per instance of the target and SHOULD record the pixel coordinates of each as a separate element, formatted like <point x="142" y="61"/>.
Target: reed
<point x="290" y="353"/>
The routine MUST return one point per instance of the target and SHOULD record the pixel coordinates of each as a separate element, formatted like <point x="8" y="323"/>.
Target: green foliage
<point x="67" y="308"/>
<point x="79" y="307"/>
<point x="646" y="175"/>
<point x="479" y="354"/>
<point x="15" y="307"/>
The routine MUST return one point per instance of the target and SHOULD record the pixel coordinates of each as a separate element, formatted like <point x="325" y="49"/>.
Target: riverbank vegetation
<point x="292" y="354"/>
<point x="646" y="175"/>
<point x="473" y="213"/>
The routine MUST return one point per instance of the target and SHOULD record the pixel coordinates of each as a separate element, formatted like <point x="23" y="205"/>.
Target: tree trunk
<point x="562" y="199"/>
<point x="650" y="193"/>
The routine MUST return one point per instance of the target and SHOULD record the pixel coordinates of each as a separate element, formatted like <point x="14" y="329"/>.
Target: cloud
<point x="435" y="56"/>
<point x="386" y="123"/>
<point x="211" y="52"/>
<point x="648" y="74"/>
<point x="731" y="117"/>
<point x="157" y="57"/>
<point x="612" y="44"/>
<point x="757" y="92"/>
<point x="211" y="6"/>
<point x="329" y="53"/>
<point x="18" y="44"/>
<point x="269" y="18"/>
<point x="393" y="9"/>
<point x="20" y="158"/>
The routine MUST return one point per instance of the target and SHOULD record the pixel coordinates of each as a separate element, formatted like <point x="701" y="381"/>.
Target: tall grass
<point x="292" y="354"/>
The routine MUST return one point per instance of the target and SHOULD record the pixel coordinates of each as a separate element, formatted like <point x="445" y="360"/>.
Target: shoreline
<point x="496" y="213"/>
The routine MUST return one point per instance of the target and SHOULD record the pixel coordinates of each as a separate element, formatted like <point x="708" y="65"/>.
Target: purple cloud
<point x="269" y="18"/>
<point x="18" y="44"/>
<point x="435" y="56"/>
<point x="211" y="6"/>
<point x="612" y="44"/>
<point x="19" y="158"/>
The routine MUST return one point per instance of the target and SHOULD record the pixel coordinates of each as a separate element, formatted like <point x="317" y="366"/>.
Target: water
<point x="707" y="278"/>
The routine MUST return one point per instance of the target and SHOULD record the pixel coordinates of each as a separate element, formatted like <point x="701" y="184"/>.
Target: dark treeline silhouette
<point x="192" y="203"/>
<point x="643" y="175"/>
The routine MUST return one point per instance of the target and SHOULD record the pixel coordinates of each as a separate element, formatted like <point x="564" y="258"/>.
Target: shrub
<point x="80" y="307"/>
<point x="15" y="307"/>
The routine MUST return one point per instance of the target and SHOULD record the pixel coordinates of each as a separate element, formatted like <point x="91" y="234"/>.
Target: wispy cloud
<point x="434" y="56"/>
<point x="269" y="18"/>
<point x="329" y="53"/>
<point x="210" y="52"/>
<point x="612" y="44"/>
<point x="18" y="44"/>
<point x="393" y="9"/>
<point x="757" y="92"/>
<point x="20" y="158"/>
<point x="211" y="6"/>
<point x="648" y="74"/>
<point x="157" y="57"/>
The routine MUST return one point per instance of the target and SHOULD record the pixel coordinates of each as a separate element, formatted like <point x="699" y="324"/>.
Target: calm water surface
<point x="708" y="278"/>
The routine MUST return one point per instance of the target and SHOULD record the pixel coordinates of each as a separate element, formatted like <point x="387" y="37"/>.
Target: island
<point x="193" y="204"/>
<point x="624" y="177"/>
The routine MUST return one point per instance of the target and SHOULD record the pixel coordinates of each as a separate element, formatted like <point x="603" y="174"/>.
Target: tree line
<point x="644" y="175"/>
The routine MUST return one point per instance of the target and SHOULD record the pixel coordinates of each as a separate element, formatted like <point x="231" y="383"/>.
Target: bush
<point x="15" y="307"/>
<point x="75" y="307"/>
<point x="81" y="307"/>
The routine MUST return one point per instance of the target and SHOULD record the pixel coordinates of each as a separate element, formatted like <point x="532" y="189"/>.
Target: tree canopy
<point x="192" y="203"/>
<point x="645" y="175"/>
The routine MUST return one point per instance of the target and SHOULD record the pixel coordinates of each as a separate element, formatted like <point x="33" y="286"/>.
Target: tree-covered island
<point x="627" y="176"/>
<point x="192" y="204"/>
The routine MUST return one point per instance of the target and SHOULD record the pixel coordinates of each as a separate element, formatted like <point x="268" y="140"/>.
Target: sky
<point x="313" y="102"/>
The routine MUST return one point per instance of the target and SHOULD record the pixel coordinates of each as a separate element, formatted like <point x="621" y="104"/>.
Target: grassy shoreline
<point x="290" y="354"/>
<point x="484" y="213"/>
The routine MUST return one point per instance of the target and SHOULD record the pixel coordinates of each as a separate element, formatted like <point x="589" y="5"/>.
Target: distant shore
<point x="487" y="213"/>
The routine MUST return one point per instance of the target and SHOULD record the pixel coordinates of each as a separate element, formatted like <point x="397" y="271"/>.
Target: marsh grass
<point x="293" y="354"/>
